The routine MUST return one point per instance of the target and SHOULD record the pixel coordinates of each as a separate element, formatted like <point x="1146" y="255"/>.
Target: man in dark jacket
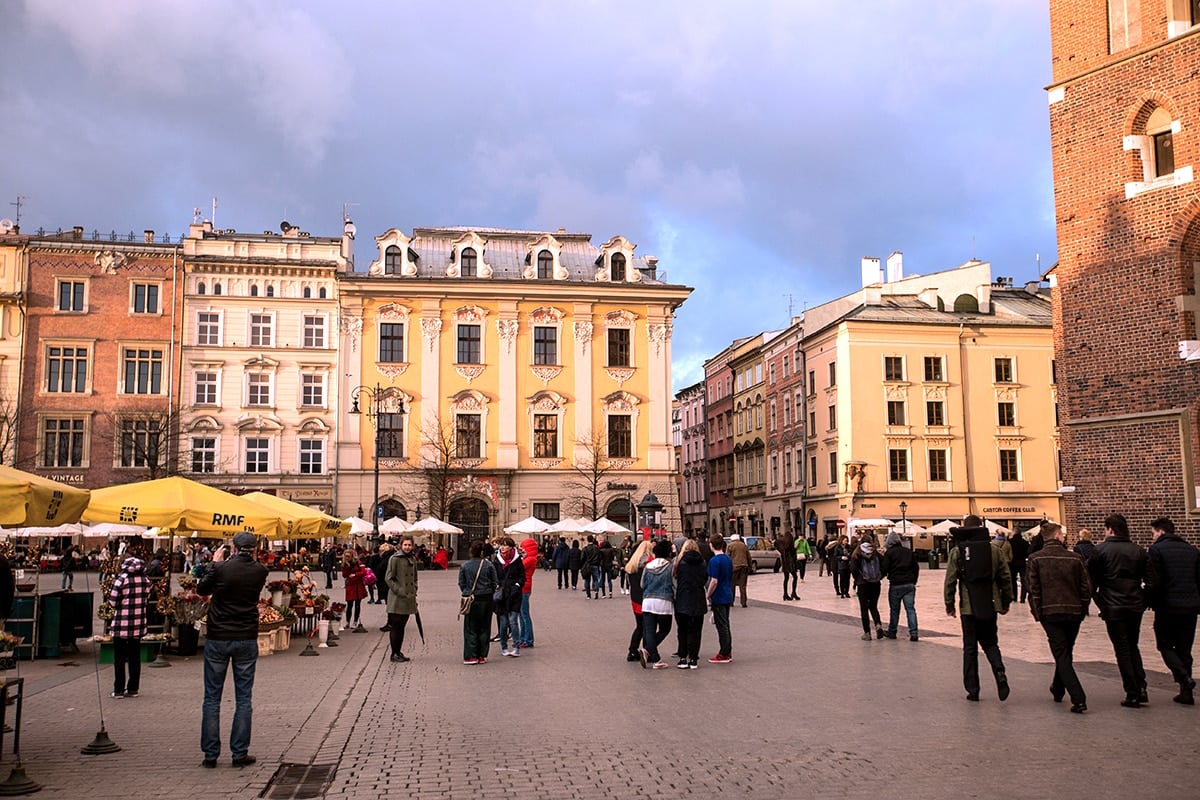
<point x="1117" y="570"/>
<point x="1059" y="594"/>
<point x="590" y="565"/>
<point x="1173" y="591"/>
<point x="977" y="576"/>
<point x="900" y="567"/>
<point x="234" y="584"/>
<point x="1020" y="558"/>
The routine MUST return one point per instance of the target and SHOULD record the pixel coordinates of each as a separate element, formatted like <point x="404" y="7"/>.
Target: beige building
<point x="260" y="370"/>
<point x="13" y="248"/>
<point x="936" y="391"/>
<point x="506" y="374"/>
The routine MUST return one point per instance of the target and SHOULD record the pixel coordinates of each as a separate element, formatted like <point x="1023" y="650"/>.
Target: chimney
<point x="148" y="236"/>
<point x="895" y="266"/>
<point x="871" y="273"/>
<point x="651" y="270"/>
<point x="77" y="233"/>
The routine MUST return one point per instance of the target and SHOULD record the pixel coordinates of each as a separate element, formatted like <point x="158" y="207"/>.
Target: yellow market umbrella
<point x="28" y="499"/>
<point x="301" y="521"/>
<point x="179" y="504"/>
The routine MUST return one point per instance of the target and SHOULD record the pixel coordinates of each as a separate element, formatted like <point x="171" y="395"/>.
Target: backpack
<point x="868" y="570"/>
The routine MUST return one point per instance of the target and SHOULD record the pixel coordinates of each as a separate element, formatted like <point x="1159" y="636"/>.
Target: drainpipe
<point x="966" y="407"/>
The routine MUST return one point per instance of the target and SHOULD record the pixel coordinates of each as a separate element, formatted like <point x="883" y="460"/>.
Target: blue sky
<point x="759" y="149"/>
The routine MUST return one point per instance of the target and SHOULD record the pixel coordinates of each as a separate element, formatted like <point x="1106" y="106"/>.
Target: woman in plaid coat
<point x="129" y="596"/>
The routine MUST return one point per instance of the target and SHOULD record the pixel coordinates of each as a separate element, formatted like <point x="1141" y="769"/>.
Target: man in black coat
<point x="1059" y="594"/>
<point x="900" y="567"/>
<point x="1173" y="591"/>
<point x="1117" y="570"/>
<point x="1020" y="555"/>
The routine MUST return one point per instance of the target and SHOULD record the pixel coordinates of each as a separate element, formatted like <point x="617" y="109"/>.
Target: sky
<point x="759" y="149"/>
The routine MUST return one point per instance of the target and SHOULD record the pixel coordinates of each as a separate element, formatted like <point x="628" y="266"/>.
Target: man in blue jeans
<point x="900" y="567"/>
<point x="234" y="583"/>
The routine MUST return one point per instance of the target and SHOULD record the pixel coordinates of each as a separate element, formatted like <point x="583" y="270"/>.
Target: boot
<point x="1186" y="696"/>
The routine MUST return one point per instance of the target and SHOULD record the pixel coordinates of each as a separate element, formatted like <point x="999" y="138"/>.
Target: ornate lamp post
<point x="649" y="514"/>
<point x="904" y="519"/>
<point x="379" y="403"/>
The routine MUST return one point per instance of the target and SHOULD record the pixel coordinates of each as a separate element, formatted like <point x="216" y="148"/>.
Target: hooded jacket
<point x="657" y="585"/>
<point x="129" y="596"/>
<point x="899" y="564"/>
<point x="864" y="564"/>
<point x="530" y="560"/>
<point x="511" y="577"/>
<point x="691" y="577"/>
<point x="561" y="554"/>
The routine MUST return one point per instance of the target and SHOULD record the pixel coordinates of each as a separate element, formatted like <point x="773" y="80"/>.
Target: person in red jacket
<point x="530" y="548"/>
<point x="354" y="571"/>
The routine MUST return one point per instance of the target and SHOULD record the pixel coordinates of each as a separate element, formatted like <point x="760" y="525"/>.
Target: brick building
<point x="1124" y="106"/>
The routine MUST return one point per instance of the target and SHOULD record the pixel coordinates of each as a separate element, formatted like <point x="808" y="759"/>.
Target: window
<point x="1004" y="370"/>
<point x="933" y="368"/>
<point x="143" y="370"/>
<point x="935" y="412"/>
<point x="833" y="476"/>
<point x="812" y="381"/>
<point x="469" y="267"/>
<point x="391" y="342"/>
<point x="200" y="288"/>
<point x="1008" y="466"/>
<point x="312" y="456"/>
<point x="307" y="292"/>
<point x="812" y="471"/>
<point x="467" y="435"/>
<point x="545" y="345"/>
<point x="145" y="298"/>
<point x="937" y="466"/>
<point x="206" y="389"/>
<point x="258" y="389"/>
<point x="833" y="418"/>
<point x="391" y="435"/>
<point x="618" y="347"/>
<point x="787" y="407"/>
<point x="254" y="290"/>
<point x="216" y="288"/>
<point x="620" y="436"/>
<point x="545" y="436"/>
<point x="314" y="331"/>
<point x="787" y="469"/>
<point x="1164" y="154"/>
<point x="893" y="368"/>
<point x="393" y="260"/>
<point x="833" y="373"/>
<point x="322" y="293"/>
<point x="812" y="422"/>
<point x="141" y="441"/>
<point x="773" y="418"/>
<point x="897" y="465"/>
<point x="771" y="373"/>
<point x="62" y="442"/>
<point x="784" y="370"/>
<point x="545" y="268"/>
<point x="546" y="512"/>
<point x="258" y="455"/>
<point x="312" y="390"/>
<point x="1124" y="24"/>
<point x="204" y="454"/>
<point x="66" y="369"/>
<point x="895" y="412"/>
<point x="260" y="330"/>
<point x="208" y="328"/>
<point x="1053" y="363"/>
<point x="270" y="290"/>
<point x="1006" y="414"/>
<point x="71" y="296"/>
<point x="618" y="267"/>
<point x="774" y="471"/>
<point x="468" y="344"/>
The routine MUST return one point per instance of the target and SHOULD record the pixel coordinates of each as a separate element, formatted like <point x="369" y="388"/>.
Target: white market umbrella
<point x="569" y="525"/>
<point x="359" y="526"/>
<point x="943" y="527"/>
<point x="68" y="529"/>
<point x="993" y="528"/>
<point x="106" y="529"/>
<point x="394" y="525"/>
<point x="907" y="529"/>
<point x="870" y="523"/>
<point x="604" y="526"/>
<point x="433" y="525"/>
<point x="528" y="526"/>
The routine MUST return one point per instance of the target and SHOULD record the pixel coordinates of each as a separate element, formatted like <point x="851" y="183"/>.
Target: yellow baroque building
<point x="490" y="375"/>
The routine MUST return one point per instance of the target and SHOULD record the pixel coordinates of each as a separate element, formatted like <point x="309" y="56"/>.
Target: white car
<point x="762" y="554"/>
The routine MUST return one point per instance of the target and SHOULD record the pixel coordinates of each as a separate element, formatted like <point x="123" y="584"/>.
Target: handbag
<point x="464" y="605"/>
<point x="369" y="578"/>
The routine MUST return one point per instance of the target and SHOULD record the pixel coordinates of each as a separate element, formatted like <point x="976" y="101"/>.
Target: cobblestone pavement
<point x="805" y="709"/>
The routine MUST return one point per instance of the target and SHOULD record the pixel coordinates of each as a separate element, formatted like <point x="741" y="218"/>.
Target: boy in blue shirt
<point x="720" y="597"/>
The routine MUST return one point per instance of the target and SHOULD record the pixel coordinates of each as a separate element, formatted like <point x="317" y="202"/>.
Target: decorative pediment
<point x="935" y="392"/>
<point x="1006" y="394"/>
<point x="314" y="425"/>
<point x="546" y="315"/>
<point x="261" y="362"/>
<point x="257" y="422"/>
<point x="620" y="318"/>
<point x="896" y="391"/>
<point x="468" y="400"/>
<point x="205" y="424"/>
<point x="469" y="314"/>
<point x="619" y="401"/>
<point x="393" y="312"/>
<point x="396" y="238"/>
<point x="547" y="401"/>
<point x="472" y="241"/>
<point x="618" y="245"/>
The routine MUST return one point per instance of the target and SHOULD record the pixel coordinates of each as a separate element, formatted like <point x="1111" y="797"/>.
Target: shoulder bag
<point x="464" y="605"/>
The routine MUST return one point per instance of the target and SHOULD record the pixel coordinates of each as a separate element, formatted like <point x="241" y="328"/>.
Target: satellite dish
<point x="6" y="225"/>
<point x="285" y="226"/>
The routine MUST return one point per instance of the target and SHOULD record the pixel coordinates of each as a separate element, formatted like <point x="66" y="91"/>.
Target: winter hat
<point x="893" y="538"/>
<point x="132" y="564"/>
<point x="245" y="541"/>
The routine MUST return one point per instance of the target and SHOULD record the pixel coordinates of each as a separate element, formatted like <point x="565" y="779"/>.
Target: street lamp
<point x="904" y="519"/>
<point x="650" y="513"/>
<point x="383" y="409"/>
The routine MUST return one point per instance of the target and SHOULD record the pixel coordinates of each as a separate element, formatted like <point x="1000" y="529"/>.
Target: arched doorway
<point x="470" y="514"/>
<point x="390" y="507"/>
<point x="621" y="512"/>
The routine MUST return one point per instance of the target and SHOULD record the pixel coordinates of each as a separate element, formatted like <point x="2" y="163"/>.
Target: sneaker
<point x="642" y="657"/>
<point x="866" y="637"/>
<point x="889" y="634"/>
<point x="117" y="695"/>
<point x="878" y="632"/>
<point x="400" y="659"/>
<point x="504" y="651"/>
<point x="515" y="653"/>
<point x="495" y="638"/>
<point x="1079" y="708"/>
<point x="209" y="763"/>
<point x="660" y="665"/>
<point x="693" y="665"/>
<point x="244" y="761"/>
<point x="912" y="637"/>
<point x="131" y="694"/>
<point x="483" y="661"/>
<point x="683" y="664"/>
<point x="1143" y="698"/>
<point x="720" y="659"/>
<point x="1002" y="690"/>
<point x="470" y="662"/>
<point x="632" y="657"/>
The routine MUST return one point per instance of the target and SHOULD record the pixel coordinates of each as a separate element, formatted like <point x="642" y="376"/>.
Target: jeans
<point x="843" y="582"/>
<point x="526" y="622"/>
<point x="575" y="577"/>
<point x="979" y="633"/>
<point x="656" y="627"/>
<point x="587" y="581"/>
<point x="397" y="624"/>
<point x="127" y="653"/>
<point x="721" y="621"/>
<point x="1123" y="633"/>
<point x="1061" y="633"/>
<point x="68" y="580"/>
<point x="508" y="623"/>
<point x="868" y="604"/>
<point x="1174" y="635"/>
<point x="902" y="593"/>
<point x="690" y="628"/>
<point x="243" y="653"/>
<point x="605" y="580"/>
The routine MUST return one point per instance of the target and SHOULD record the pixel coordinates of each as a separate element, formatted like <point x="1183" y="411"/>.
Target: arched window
<point x="966" y="303"/>
<point x="617" y="272"/>
<point x="545" y="265"/>
<point x="1158" y="128"/>
<point x="393" y="260"/>
<point x="321" y="293"/>
<point x="307" y="292"/>
<point x="216" y="288"/>
<point x="270" y="290"/>
<point x="200" y="288"/>
<point x="254" y="290"/>
<point x="468" y="268"/>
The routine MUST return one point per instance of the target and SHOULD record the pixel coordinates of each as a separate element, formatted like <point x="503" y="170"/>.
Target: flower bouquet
<point x="189" y="607"/>
<point x="9" y="642"/>
<point x="268" y="617"/>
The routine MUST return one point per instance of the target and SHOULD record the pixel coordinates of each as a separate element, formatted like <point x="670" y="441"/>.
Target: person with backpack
<point x="864" y="564"/>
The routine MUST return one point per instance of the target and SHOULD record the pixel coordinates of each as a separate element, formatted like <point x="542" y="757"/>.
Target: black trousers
<point x="1061" y="633"/>
<point x="1174" y="635"/>
<point x="690" y="628"/>
<point x="1123" y="633"/>
<point x="843" y="582"/>
<point x="397" y="623"/>
<point x="868" y="604"/>
<point x="635" y="639"/>
<point x="979" y="633"/>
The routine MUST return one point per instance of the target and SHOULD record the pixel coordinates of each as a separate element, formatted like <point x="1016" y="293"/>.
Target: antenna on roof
<point x="213" y="218"/>
<point x="20" y="199"/>
<point x="789" y="297"/>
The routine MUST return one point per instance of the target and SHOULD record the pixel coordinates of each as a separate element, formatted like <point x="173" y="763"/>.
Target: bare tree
<point x="589" y="472"/>
<point x="437" y="464"/>
<point x="8" y="431"/>
<point x="148" y="439"/>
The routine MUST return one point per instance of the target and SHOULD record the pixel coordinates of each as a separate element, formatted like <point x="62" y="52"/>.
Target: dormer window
<point x="545" y="265"/>
<point x="393" y="260"/>
<point x="617" y="272"/>
<point x="469" y="267"/>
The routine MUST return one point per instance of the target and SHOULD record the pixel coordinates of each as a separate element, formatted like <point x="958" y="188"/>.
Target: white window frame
<point x="254" y="328"/>
<point x="164" y="357"/>
<point x="321" y="328"/>
<point x="316" y="378"/>
<point x="87" y="287"/>
<point x="206" y="329"/>
<point x="214" y="451"/>
<point x="321" y="449"/>
<point x="270" y="451"/>
<point x="252" y="377"/>
<point x="147" y="285"/>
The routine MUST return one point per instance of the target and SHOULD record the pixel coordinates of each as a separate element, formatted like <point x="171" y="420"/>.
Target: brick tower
<point x="1125" y="135"/>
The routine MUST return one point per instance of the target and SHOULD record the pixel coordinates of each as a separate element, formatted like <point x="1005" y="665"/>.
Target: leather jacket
<point x="1117" y="570"/>
<point x="1173" y="576"/>
<point x="235" y="586"/>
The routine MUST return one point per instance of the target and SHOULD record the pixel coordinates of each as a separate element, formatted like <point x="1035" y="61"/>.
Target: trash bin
<point x="50" y="626"/>
<point x="933" y="559"/>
